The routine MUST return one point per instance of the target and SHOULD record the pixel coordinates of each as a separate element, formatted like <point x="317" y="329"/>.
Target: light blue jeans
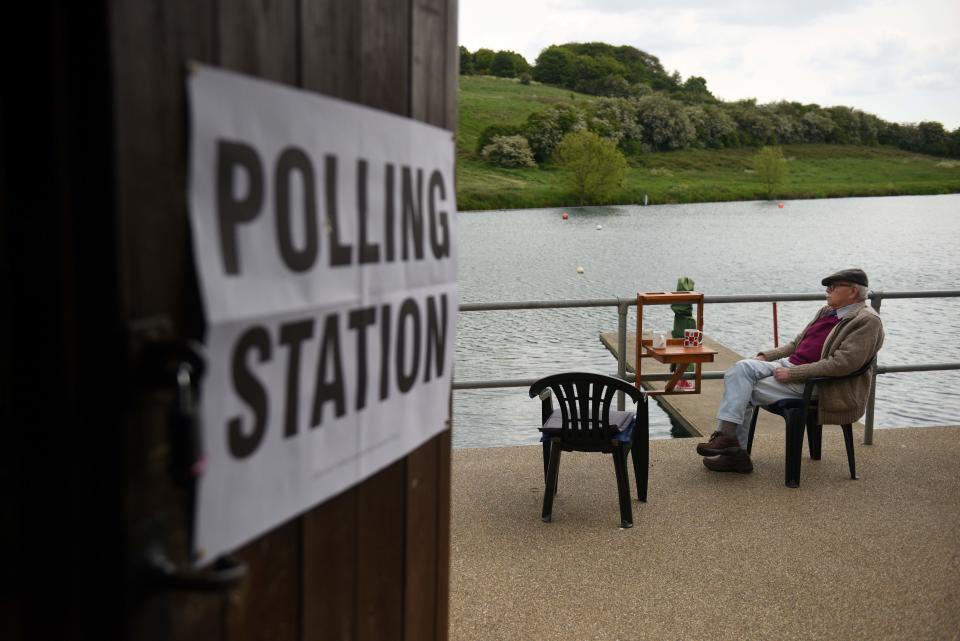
<point x="750" y="383"/>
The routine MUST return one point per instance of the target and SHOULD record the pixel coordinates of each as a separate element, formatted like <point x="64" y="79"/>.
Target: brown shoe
<point x="739" y="462"/>
<point x="719" y="444"/>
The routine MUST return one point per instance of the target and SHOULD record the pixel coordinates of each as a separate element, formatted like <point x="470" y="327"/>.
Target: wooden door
<point x="97" y="248"/>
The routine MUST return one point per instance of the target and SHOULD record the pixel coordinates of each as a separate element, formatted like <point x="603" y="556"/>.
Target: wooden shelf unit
<point x="674" y="352"/>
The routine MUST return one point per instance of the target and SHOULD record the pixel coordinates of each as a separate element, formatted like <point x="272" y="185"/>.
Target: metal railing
<point x="624" y="304"/>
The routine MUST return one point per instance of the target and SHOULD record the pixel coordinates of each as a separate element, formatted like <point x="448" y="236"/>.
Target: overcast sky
<point x="897" y="60"/>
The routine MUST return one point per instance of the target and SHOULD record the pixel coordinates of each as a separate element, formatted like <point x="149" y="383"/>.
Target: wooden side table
<point x="673" y="352"/>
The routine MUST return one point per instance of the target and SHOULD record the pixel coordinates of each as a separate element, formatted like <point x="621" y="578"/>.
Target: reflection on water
<point x="903" y="243"/>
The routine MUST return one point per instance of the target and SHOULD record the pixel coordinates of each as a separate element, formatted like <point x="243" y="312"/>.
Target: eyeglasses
<point x="833" y="286"/>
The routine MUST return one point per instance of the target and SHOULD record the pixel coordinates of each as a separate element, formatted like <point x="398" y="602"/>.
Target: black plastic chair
<point x="584" y="422"/>
<point x="799" y="414"/>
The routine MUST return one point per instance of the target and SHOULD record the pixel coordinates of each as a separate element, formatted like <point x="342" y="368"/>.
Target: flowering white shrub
<point x="509" y="151"/>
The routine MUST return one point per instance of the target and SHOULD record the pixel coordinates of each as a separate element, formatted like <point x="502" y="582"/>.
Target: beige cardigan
<point x="855" y="340"/>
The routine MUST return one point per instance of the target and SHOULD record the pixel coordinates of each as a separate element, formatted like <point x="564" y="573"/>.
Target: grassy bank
<point x="815" y="171"/>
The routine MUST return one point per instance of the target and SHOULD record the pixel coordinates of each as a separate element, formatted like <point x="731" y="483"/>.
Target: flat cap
<point x="856" y="276"/>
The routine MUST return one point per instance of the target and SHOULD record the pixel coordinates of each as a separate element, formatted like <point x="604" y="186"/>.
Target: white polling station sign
<point x="324" y="235"/>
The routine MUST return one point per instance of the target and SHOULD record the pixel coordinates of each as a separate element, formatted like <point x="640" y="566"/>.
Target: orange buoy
<point x="780" y="205"/>
<point x="565" y="216"/>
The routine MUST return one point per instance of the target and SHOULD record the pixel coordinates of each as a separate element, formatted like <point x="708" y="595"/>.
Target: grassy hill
<point x="696" y="175"/>
<point x="485" y="101"/>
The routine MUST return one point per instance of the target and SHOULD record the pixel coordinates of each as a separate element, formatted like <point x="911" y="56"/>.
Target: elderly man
<point x="842" y="337"/>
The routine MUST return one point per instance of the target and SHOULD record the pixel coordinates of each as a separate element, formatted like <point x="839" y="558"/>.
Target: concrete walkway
<point x="712" y="556"/>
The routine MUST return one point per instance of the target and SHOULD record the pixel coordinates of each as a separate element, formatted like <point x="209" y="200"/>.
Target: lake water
<point x="903" y="243"/>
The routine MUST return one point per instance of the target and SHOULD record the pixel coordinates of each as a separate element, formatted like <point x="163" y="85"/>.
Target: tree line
<point x="644" y="108"/>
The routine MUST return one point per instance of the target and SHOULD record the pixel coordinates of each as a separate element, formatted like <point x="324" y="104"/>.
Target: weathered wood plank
<point x="331" y="48"/>
<point x="442" y="610"/>
<point x="149" y="44"/>
<point x="381" y="509"/>
<point x="266" y="605"/>
<point x="428" y="56"/>
<point x="420" y="587"/>
<point x="384" y="68"/>
<point x="194" y="615"/>
<point x="433" y="91"/>
<point x="260" y="38"/>
<point x="329" y="569"/>
<point x="381" y="500"/>
<point x="452" y="76"/>
<point x="330" y="55"/>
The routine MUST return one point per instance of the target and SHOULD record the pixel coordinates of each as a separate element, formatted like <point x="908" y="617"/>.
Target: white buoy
<point x="599" y="226"/>
<point x="579" y="270"/>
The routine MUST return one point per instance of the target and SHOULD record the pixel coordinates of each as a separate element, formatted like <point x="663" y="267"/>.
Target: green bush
<point x="466" y="61"/>
<point x="595" y="166"/>
<point x="554" y="66"/>
<point x="754" y="125"/>
<point x="489" y="133"/>
<point x="615" y="119"/>
<point x="666" y="125"/>
<point x="602" y="69"/>
<point x="715" y="129"/>
<point x="771" y="168"/>
<point x="482" y="59"/>
<point x="509" y="151"/>
<point x="503" y="65"/>
<point x="545" y="129"/>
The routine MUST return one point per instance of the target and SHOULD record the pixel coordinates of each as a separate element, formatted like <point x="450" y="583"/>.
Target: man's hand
<point x="782" y="374"/>
<point x="759" y="357"/>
